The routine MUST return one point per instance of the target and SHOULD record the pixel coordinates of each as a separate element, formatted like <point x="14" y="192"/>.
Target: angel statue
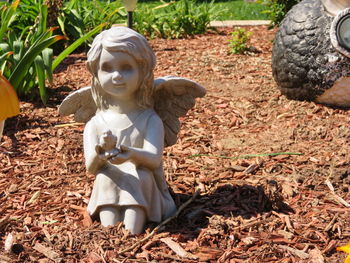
<point x="130" y="119"/>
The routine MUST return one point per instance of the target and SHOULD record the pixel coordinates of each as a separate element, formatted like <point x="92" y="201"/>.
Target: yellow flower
<point x="9" y="104"/>
<point x="345" y="249"/>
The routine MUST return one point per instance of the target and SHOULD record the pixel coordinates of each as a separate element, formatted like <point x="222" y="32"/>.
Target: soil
<point x="272" y="174"/>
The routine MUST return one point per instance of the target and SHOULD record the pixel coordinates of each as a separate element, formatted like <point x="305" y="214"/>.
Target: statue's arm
<point x="93" y="160"/>
<point x="150" y="156"/>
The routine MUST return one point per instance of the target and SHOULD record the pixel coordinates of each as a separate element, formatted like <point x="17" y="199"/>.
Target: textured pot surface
<point x="304" y="62"/>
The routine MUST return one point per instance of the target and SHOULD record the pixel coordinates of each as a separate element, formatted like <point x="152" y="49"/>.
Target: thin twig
<point x="246" y="156"/>
<point x="330" y="225"/>
<point x="69" y="124"/>
<point x="252" y="223"/>
<point x="296" y="252"/>
<point x="155" y="230"/>
<point x="336" y="197"/>
<point x="4" y="221"/>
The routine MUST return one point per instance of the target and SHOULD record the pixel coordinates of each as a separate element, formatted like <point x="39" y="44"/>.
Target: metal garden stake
<point x="130" y="6"/>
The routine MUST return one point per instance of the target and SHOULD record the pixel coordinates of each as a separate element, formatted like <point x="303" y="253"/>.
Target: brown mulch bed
<point x="273" y="174"/>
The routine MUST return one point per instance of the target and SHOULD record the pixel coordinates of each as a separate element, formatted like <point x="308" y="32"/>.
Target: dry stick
<point x="336" y="197"/>
<point x="251" y="224"/>
<point x="299" y="253"/>
<point x="47" y="252"/>
<point x="69" y="124"/>
<point x="155" y="230"/>
<point x="4" y="221"/>
<point x="330" y="225"/>
<point x="246" y="156"/>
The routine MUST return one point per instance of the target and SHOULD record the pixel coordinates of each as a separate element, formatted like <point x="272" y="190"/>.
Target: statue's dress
<point x="129" y="185"/>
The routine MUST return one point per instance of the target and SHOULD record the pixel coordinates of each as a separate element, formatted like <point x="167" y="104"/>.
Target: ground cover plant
<point x="272" y="174"/>
<point x="27" y="36"/>
<point x="241" y="10"/>
<point x="238" y="43"/>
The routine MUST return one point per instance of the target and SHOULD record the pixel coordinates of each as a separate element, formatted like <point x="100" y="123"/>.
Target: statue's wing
<point x="174" y="96"/>
<point x="80" y="103"/>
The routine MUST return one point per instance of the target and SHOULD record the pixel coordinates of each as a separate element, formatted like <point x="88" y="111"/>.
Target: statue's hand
<point x="123" y="155"/>
<point x="106" y="155"/>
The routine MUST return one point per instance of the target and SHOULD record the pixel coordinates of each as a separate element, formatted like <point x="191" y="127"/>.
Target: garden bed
<point x="273" y="174"/>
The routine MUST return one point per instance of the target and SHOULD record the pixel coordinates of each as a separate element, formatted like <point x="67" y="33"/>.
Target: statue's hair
<point x="123" y="39"/>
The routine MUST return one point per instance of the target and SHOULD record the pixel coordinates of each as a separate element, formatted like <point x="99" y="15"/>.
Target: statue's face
<point x="118" y="74"/>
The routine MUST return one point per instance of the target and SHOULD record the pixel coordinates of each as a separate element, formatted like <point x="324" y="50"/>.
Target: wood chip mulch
<point x="272" y="174"/>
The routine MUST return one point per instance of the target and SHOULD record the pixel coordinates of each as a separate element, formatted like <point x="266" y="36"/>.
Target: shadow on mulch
<point x="22" y="123"/>
<point x="74" y="58"/>
<point x="25" y="122"/>
<point x="55" y="97"/>
<point x="228" y="201"/>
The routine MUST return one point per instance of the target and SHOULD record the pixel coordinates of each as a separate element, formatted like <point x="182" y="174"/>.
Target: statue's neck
<point x="115" y="118"/>
<point x="121" y="106"/>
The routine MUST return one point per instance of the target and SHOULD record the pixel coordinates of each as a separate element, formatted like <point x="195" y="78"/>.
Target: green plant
<point x="277" y="9"/>
<point x="8" y="15"/>
<point x="26" y="61"/>
<point x="76" y="44"/>
<point x="175" y="19"/>
<point x="239" y="41"/>
<point x="25" y="57"/>
<point x="78" y="17"/>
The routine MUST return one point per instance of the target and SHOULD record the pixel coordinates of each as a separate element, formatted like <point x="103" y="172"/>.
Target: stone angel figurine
<point x="130" y="119"/>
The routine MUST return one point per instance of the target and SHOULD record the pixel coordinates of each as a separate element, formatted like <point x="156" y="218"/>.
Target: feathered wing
<point x="80" y="103"/>
<point x="173" y="97"/>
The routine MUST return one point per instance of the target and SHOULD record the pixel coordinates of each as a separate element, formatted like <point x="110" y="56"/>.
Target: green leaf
<point x="8" y="14"/>
<point x="4" y="47"/>
<point x="18" y="50"/>
<point x="28" y="58"/>
<point x="47" y="55"/>
<point x="4" y="58"/>
<point x="42" y="37"/>
<point x="42" y="19"/>
<point x="71" y="4"/>
<point x="60" y="21"/>
<point x="76" y="20"/>
<point x="5" y="55"/>
<point x="40" y="72"/>
<point x="76" y="44"/>
<point x="27" y="82"/>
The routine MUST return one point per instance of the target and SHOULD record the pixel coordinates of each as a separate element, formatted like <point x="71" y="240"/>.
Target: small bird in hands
<point x="107" y="145"/>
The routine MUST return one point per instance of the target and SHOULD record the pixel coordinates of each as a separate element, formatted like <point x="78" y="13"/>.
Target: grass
<point x="240" y="10"/>
<point x="230" y="9"/>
